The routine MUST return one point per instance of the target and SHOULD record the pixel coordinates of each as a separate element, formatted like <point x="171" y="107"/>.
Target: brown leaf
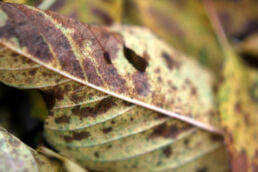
<point x="95" y="56"/>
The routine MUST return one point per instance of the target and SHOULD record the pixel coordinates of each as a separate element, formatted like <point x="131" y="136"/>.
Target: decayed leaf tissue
<point x="129" y="85"/>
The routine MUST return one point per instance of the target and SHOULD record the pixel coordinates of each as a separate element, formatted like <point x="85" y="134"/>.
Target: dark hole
<point x="251" y="60"/>
<point x="138" y="62"/>
<point x="107" y="58"/>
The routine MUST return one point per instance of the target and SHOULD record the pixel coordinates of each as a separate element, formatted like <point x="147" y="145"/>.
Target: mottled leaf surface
<point x="238" y="103"/>
<point x="103" y="132"/>
<point x="126" y="62"/>
<point x="238" y="108"/>
<point x="98" y="130"/>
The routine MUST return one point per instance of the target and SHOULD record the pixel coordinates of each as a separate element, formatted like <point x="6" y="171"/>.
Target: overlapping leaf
<point x="184" y="24"/>
<point x="238" y="104"/>
<point x="238" y="18"/>
<point x="90" y="126"/>
<point x="238" y="109"/>
<point x="16" y="156"/>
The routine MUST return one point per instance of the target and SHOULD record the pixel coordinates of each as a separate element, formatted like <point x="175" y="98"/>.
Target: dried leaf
<point x="238" y="108"/>
<point x="238" y="104"/>
<point x="93" y="128"/>
<point x="111" y="60"/>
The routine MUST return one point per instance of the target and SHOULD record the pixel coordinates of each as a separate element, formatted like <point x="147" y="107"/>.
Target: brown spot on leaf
<point x="193" y="91"/>
<point x="62" y="119"/>
<point x="32" y="72"/>
<point x="107" y="130"/>
<point x="171" y="63"/>
<point x="99" y="108"/>
<point x="141" y="83"/>
<point x="96" y="154"/>
<point x="161" y="116"/>
<point x="58" y="93"/>
<point x="166" y="131"/>
<point x="77" y="136"/>
<point x="167" y="152"/>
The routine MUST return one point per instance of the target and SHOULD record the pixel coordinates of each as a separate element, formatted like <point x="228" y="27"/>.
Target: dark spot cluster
<point x="32" y="72"/>
<point x="167" y="152"/>
<point x="77" y="136"/>
<point x="168" y="131"/>
<point x="99" y="108"/>
<point x="107" y="130"/>
<point x="96" y="154"/>
<point x="62" y="119"/>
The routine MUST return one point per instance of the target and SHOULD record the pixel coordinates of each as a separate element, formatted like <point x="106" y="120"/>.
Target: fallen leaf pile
<point x="119" y="98"/>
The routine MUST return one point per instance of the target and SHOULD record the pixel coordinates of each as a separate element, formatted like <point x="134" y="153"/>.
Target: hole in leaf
<point x="107" y="58"/>
<point x="138" y="62"/>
